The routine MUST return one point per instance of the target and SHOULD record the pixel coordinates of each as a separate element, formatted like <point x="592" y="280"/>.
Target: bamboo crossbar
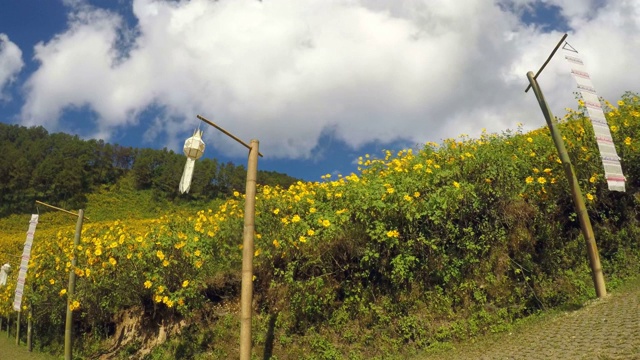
<point x="226" y="132"/>
<point x="60" y="209"/>
<point x="547" y="61"/>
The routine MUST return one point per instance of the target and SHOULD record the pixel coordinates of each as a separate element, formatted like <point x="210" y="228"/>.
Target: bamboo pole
<point x="72" y="285"/>
<point x="547" y="61"/>
<point x="60" y="209"/>
<point x="246" y="292"/>
<point x="18" y="329"/>
<point x="226" y="132"/>
<point x="247" y="253"/>
<point x="30" y="329"/>
<point x="578" y="201"/>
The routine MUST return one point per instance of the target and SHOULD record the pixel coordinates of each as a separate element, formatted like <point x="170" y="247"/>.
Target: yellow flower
<point x="542" y="180"/>
<point x="197" y="252"/>
<point x="416" y="194"/>
<point x="98" y="251"/>
<point x="303" y="239"/>
<point x="157" y="298"/>
<point x="51" y="281"/>
<point x="614" y="128"/>
<point x="276" y="211"/>
<point x="185" y="283"/>
<point x="408" y="198"/>
<point x="390" y="190"/>
<point x="160" y="289"/>
<point x="74" y="305"/>
<point x="589" y="197"/>
<point x="160" y="254"/>
<point x="165" y="263"/>
<point x="310" y="232"/>
<point x="393" y="233"/>
<point x="627" y="141"/>
<point x="63" y="291"/>
<point x="312" y="210"/>
<point x="456" y="184"/>
<point x="112" y="261"/>
<point x="236" y="194"/>
<point x="295" y="218"/>
<point x="547" y="170"/>
<point x="147" y="284"/>
<point x="276" y="243"/>
<point x="529" y="139"/>
<point x="326" y="223"/>
<point x="592" y="179"/>
<point x="257" y="252"/>
<point x="198" y="264"/>
<point x="620" y="102"/>
<point x="529" y="180"/>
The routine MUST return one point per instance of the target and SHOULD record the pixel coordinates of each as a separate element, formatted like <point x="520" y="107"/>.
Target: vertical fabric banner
<point x="24" y="264"/>
<point x="610" y="160"/>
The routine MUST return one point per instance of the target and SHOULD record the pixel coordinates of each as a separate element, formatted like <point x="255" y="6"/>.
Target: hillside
<point x="421" y="247"/>
<point x="62" y="169"/>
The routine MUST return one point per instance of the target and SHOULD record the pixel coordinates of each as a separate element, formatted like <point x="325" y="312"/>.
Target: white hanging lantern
<point x="193" y="149"/>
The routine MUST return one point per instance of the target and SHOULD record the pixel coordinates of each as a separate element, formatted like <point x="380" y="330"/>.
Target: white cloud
<point x="10" y="62"/>
<point x="284" y="71"/>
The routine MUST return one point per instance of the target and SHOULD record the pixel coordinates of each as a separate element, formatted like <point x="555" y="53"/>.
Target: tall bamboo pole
<point x="30" y="329"/>
<point x="72" y="286"/>
<point x="578" y="201"/>
<point x="246" y="293"/>
<point x="18" y="329"/>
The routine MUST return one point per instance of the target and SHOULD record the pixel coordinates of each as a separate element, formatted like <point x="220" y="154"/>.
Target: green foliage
<point x="63" y="170"/>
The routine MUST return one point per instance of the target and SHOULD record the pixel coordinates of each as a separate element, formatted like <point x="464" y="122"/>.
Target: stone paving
<point x="608" y="328"/>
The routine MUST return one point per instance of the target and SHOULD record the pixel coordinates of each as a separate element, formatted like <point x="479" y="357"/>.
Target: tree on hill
<point x="62" y="169"/>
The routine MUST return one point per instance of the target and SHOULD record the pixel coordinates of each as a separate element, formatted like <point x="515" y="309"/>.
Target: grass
<point x="9" y="350"/>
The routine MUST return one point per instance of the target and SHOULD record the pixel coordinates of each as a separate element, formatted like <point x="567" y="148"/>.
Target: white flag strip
<point x="24" y="263"/>
<point x="610" y="159"/>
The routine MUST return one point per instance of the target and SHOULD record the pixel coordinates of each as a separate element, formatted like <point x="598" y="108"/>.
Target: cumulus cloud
<point x="10" y="62"/>
<point x="287" y="71"/>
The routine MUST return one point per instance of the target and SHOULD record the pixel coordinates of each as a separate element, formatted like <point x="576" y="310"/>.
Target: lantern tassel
<point x="187" y="174"/>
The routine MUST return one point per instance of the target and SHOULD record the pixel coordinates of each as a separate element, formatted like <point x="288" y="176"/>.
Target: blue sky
<point x="319" y="83"/>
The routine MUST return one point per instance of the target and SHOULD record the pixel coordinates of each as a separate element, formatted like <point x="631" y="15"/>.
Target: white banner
<point x="610" y="160"/>
<point x="24" y="263"/>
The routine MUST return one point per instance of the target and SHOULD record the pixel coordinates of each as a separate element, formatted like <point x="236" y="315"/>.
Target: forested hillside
<point x="62" y="169"/>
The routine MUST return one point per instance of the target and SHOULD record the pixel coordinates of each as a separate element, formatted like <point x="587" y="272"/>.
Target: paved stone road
<point x="603" y="329"/>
